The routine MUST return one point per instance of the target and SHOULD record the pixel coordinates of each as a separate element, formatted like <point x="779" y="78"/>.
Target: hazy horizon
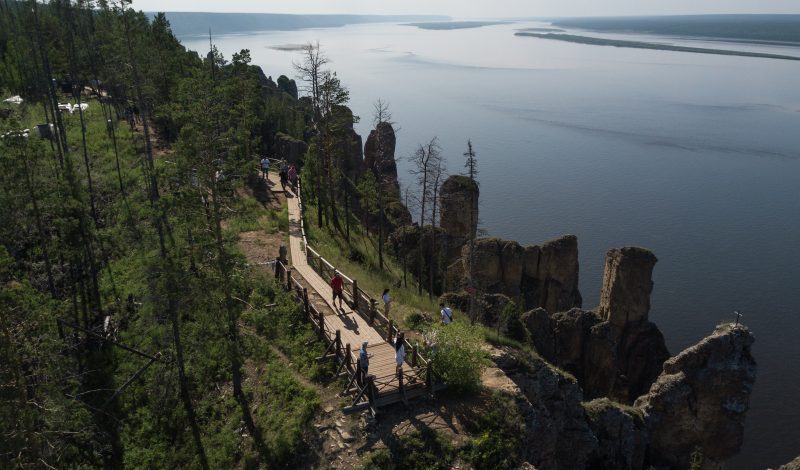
<point x="500" y="9"/>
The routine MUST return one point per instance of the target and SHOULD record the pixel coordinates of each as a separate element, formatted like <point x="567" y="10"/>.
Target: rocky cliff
<point x="350" y="146"/>
<point x="700" y="400"/>
<point x="558" y="436"/>
<point x="793" y="465"/>
<point x="458" y="200"/>
<point x="615" y="351"/>
<point x="286" y="146"/>
<point x="539" y="276"/>
<point x="627" y="285"/>
<point x="379" y="155"/>
<point x="609" y="361"/>
<point x="696" y="406"/>
<point x="379" y="158"/>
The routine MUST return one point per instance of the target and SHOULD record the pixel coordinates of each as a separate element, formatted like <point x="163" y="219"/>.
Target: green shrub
<point x="416" y="321"/>
<point x="458" y="359"/>
<point x="381" y="459"/>
<point x="424" y="449"/>
<point x="499" y="430"/>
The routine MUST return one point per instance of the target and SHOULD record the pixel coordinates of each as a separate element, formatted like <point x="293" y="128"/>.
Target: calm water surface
<point x="696" y="157"/>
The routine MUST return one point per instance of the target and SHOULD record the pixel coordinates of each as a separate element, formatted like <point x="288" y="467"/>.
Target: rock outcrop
<point x="458" y="200"/>
<point x="351" y="149"/>
<point x="696" y="406"/>
<point x="288" y="86"/>
<point x="379" y="155"/>
<point x="558" y="436"/>
<point x="621" y="436"/>
<point x="542" y="276"/>
<point x="627" y="285"/>
<point x="379" y="158"/>
<point x="793" y="465"/>
<point x="614" y="352"/>
<point x="700" y="400"/>
<point x="286" y="146"/>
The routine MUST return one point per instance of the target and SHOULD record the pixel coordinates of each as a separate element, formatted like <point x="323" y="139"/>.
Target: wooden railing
<point x="363" y="304"/>
<point x="366" y="306"/>
<point x="371" y="391"/>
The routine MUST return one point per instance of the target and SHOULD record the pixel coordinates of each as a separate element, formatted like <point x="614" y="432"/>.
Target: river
<point x="694" y="156"/>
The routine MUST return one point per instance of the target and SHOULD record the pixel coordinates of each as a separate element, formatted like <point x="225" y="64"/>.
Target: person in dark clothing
<point x="284" y="174"/>
<point x="363" y="362"/>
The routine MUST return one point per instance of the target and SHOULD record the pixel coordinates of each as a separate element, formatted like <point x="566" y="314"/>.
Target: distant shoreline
<point x="653" y="46"/>
<point x="447" y="25"/>
<point x="778" y="29"/>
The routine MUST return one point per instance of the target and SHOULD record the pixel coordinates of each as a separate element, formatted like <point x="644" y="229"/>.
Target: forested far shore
<point x="592" y="41"/>
<point x="780" y="29"/>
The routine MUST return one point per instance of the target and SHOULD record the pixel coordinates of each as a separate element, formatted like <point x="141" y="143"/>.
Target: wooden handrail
<point x="312" y="254"/>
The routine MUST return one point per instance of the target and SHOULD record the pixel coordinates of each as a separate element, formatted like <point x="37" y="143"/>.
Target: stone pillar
<point x="627" y="284"/>
<point x="458" y="200"/>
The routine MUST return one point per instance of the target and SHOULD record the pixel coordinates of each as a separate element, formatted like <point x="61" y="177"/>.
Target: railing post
<point x="414" y="356"/>
<point x="289" y="279"/>
<point x="389" y="331"/>
<point x="338" y="342"/>
<point x="355" y="295"/>
<point x="321" y="266"/>
<point x="371" y="384"/>
<point x="429" y="378"/>
<point x="372" y="309"/>
<point x="347" y="356"/>
<point x="306" y="308"/>
<point x="278" y="267"/>
<point x="321" y="322"/>
<point x="400" y="379"/>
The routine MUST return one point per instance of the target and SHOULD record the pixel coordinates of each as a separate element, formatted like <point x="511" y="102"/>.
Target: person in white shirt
<point x="387" y="302"/>
<point x="265" y="167"/>
<point x="447" y="315"/>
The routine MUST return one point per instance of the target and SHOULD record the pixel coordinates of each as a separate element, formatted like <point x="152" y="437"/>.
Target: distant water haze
<point x="696" y="157"/>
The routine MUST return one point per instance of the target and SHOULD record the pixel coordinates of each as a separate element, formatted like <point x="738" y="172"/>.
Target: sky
<point x="478" y="9"/>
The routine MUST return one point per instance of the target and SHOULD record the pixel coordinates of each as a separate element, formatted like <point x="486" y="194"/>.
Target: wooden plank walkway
<point x="354" y="326"/>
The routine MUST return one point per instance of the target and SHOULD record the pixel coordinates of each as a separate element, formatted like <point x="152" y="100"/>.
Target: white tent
<point x="14" y="99"/>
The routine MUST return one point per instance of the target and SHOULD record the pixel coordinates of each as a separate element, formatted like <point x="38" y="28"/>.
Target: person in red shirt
<point x="337" y="284"/>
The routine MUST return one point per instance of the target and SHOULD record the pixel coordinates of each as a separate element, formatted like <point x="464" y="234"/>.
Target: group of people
<point x="337" y="287"/>
<point x="288" y="173"/>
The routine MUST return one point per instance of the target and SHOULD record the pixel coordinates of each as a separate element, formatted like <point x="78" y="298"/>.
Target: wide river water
<point x="694" y="156"/>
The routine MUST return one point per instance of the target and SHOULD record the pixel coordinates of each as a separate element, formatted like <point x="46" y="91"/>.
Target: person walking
<point x="293" y="178"/>
<point x="284" y="174"/>
<point x="447" y="314"/>
<point x="363" y="362"/>
<point x="337" y="285"/>
<point x="387" y="302"/>
<point x="265" y="168"/>
<point x="399" y="351"/>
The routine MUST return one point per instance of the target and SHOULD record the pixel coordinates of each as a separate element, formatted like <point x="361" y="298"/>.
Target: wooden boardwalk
<point x="345" y="330"/>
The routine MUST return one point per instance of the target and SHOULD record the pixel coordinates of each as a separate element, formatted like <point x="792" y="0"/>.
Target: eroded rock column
<point x="627" y="285"/>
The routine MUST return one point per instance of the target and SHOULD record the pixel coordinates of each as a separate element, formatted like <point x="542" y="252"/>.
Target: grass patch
<point x="499" y="428"/>
<point x="250" y="215"/>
